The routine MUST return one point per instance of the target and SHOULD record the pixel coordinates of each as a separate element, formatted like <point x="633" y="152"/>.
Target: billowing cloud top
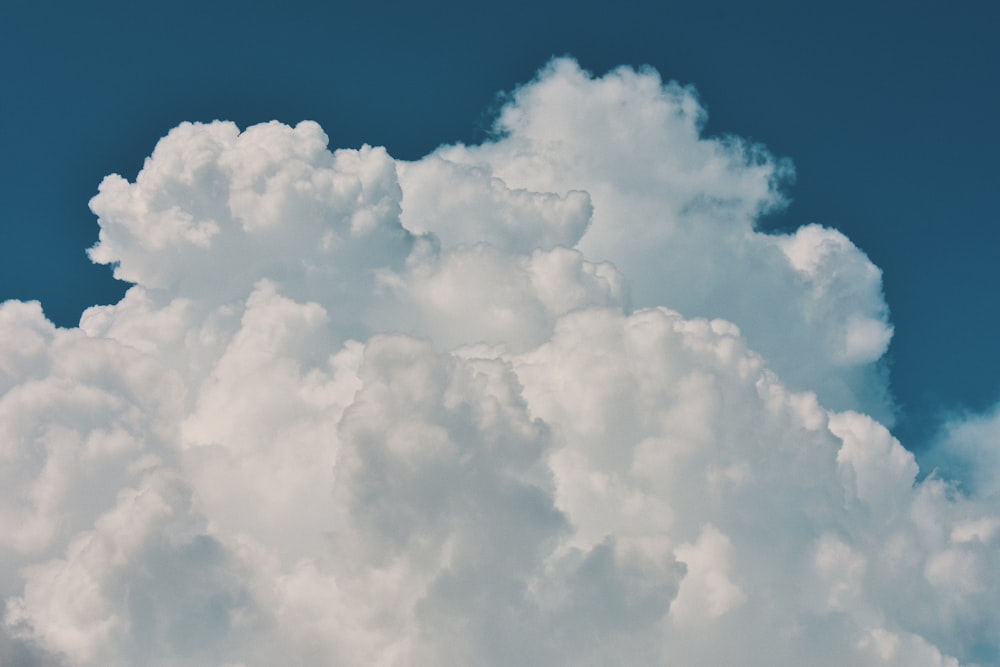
<point x="547" y="400"/>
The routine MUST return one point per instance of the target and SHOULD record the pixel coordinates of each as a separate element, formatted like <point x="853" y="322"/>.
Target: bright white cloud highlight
<point x="547" y="400"/>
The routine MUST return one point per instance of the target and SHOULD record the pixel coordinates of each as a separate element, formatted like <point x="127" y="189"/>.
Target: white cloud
<point x="548" y="400"/>
<point x="145" y="585"/>
<point x="214" y="211"/>
<point x="464" y="204"/>
<point x="968" y="448"/>
<point x="675" y="211"/>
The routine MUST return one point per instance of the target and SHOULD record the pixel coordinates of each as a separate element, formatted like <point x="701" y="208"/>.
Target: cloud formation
<point x="551" y="399"/>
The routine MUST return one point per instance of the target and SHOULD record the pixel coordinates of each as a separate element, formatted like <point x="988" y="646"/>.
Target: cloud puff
<point x="675" y="211"/>
<point x="967" y="449"/>
<point x="551" y="399"/>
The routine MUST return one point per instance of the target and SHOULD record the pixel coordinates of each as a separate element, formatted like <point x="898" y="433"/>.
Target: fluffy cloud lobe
<point x="551" y="399"/>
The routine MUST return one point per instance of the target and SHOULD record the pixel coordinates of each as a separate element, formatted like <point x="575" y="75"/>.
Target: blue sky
<point x="887" y="109"/>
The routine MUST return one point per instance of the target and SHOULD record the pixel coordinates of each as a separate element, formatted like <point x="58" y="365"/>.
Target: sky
<point x="887" y="111"/>
<point x="669" y="327"/>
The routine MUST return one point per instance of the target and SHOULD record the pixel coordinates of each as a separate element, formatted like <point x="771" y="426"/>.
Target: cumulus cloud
<point x="968" y="449"/>
<point x="675" y="211"/>
<point x="551" y="399"/>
